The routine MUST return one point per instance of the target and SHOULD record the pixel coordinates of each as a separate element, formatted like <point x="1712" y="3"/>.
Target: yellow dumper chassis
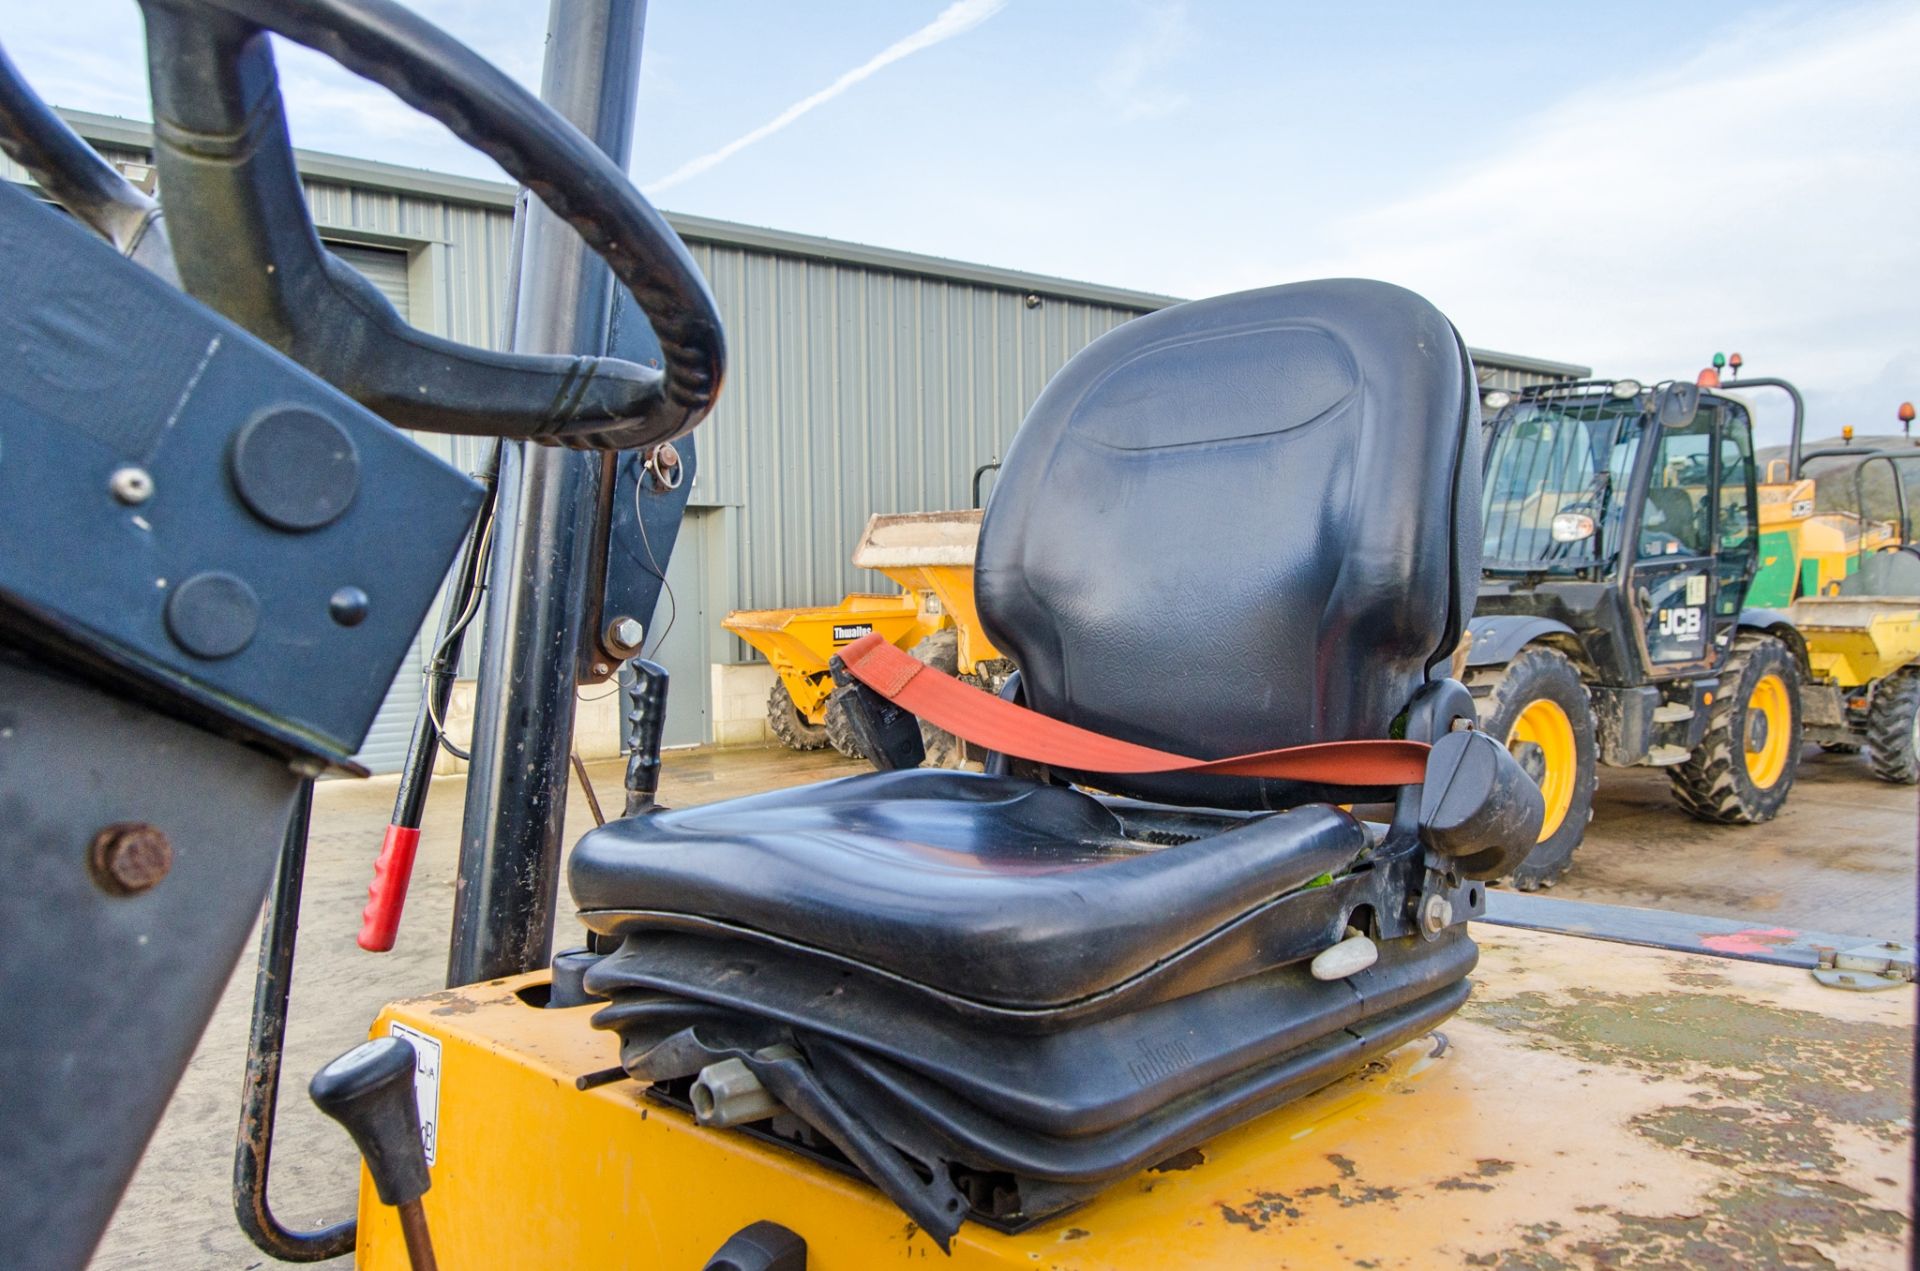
<point x="1460" y="1148"/>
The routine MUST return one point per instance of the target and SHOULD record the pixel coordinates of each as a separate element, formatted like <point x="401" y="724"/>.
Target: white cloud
<point x="1758" y="195"/>
<point x="1127" y="82"/>
<point x="956" y="19"/>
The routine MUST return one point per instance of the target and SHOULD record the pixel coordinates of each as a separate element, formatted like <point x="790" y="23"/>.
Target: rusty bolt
<point x="625" y="633"/>
<point x="129" y="857"/>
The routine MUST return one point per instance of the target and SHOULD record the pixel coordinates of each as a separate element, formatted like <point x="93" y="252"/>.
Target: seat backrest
<point x="1240" y="523"/>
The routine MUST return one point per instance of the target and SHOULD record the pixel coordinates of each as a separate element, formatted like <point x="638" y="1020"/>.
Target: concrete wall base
<point x="740" y="703"/>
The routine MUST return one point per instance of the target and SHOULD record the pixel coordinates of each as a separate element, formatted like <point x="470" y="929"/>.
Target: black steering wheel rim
<point x="196" y="96"/>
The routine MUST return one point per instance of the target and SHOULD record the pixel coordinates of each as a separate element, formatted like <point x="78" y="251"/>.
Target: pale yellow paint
<point x="1505" y="1141"/>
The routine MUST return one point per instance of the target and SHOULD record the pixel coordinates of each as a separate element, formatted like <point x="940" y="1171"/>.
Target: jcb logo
<point x="1683" y="623"/>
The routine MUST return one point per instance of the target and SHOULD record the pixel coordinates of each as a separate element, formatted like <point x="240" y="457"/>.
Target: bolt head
<point x="1436" y="914"/>
<point x="626" y="633"/>
<point x="132" y="486"/>
<point x="348" y="606"/>
<point x="129" y="857"/>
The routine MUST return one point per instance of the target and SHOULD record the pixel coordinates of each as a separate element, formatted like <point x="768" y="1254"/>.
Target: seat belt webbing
<point x="986" y="720"/>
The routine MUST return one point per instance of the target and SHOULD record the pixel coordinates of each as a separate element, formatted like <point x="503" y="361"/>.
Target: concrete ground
<point x="1840" y="858"/>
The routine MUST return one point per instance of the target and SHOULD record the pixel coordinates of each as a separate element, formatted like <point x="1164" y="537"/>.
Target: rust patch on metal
<point x="1178" y="1161"/>
<point x="1267" y="1208"/>
<point x="449" y="1002"/>
<point x="1075" y="1233"/>
<point x="1488" y="1167"/>
<point x="1532" y="1255"/>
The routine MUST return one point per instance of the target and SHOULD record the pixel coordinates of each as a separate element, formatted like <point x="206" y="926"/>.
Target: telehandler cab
<point x="1612" y="624"/>
<point x="1142" y="1009"/>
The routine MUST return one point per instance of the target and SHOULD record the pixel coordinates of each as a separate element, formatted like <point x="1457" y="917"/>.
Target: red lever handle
<point x="387" y="894"/>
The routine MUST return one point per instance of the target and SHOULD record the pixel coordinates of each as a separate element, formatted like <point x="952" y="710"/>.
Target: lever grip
<point x="387" y="893"/>
<point x="369" y="1090"/>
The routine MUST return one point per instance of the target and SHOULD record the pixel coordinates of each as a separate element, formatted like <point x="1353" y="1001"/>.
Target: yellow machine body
<point x="798" y="642"/>
<point x="1595" y="1104"/>
<point x="1805" y="552"/>
<point x="930" y="554"/>
<point x="1855" y="640"/>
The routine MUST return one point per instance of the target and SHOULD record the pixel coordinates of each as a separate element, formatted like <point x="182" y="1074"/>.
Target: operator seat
<point x="1235" y="524"/>
<point x="1679" y="519"/>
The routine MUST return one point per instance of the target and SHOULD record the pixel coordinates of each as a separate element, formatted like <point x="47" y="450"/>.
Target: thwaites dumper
<point x="1157" y="1017"/>
<point x="1613" y="624"/>
<point x="930" y="555"/>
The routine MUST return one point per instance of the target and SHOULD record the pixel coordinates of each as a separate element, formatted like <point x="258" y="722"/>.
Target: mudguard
<point x="1496" y="638"/>
<point x="1778" y="623"/>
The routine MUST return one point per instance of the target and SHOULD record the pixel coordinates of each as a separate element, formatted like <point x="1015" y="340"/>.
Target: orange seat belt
<point x="988" y="721"/>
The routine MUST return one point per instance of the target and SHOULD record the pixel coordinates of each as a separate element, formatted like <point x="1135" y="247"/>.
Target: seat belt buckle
<point x="889" y="734"/>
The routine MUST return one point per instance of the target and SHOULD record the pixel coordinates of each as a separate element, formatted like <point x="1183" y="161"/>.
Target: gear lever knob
<point x="369" y="1090"/>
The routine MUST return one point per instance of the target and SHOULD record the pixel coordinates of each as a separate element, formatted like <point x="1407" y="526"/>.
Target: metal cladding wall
<point x="856" y="391"/>
<point x="862" y="380"/>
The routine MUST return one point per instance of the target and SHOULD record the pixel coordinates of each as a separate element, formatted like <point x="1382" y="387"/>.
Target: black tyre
<point x="1742" y="769"/>
<point x="941" y="651"/>
<point x="1893" y="728"/>
<point x="839" y="727"/>
<point x="1539" y="707"/>
<point x="788" y="724"/>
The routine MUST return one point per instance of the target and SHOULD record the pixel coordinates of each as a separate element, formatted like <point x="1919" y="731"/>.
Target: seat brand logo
<point x="1158" y="1062"/>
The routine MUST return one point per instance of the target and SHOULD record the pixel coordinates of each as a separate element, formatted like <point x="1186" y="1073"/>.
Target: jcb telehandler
<point x="1612" y="624"/>
<point x="1142" y="994"/>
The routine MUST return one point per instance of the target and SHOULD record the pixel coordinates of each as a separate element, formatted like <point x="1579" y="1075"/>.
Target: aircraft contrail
<point x="956" y="19"/>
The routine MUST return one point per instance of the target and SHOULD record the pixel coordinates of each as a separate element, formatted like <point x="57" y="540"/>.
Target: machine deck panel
<point x="1594" y="1105"/>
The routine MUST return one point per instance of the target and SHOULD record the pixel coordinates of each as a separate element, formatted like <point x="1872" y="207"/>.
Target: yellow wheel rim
<point x="1545" y="725"/>
<point x="1767" y="747"/>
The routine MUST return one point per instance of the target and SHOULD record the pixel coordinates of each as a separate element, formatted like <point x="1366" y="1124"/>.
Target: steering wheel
<point x="243" y="242"/>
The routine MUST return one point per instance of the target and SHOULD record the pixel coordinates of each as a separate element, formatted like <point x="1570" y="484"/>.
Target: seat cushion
<point x="993" y="889"/>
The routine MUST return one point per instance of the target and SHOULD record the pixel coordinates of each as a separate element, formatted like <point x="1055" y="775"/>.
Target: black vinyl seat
<point x="991" y="889"/>
<point x="1232" y="525"/>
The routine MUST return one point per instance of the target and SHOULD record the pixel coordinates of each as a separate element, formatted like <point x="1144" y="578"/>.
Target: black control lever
<point x="369" y="1090"/>
<point x="243" y="242"/>
<point x="647" y="721"/>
